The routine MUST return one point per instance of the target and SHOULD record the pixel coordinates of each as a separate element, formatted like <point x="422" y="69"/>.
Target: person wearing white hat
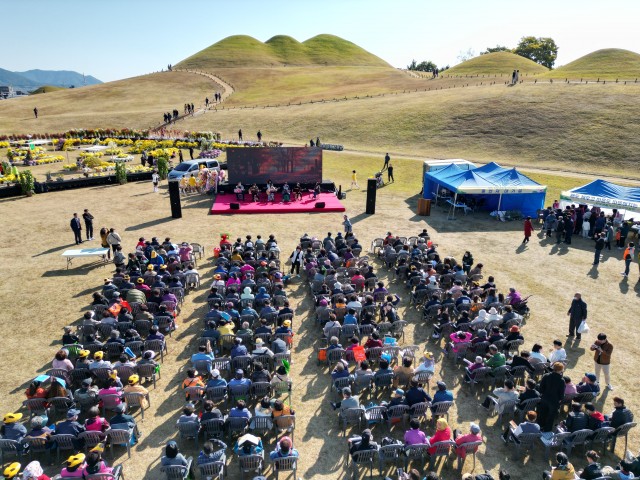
<point x="428" y="363"/>
<point x="493" y="315"/>
<point x="261" y="349"/>
<point x="216" y="380"/>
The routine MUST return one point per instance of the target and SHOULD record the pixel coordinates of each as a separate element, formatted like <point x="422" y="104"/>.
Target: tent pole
<point x="499" y="202"/>
<point x="453" y="207"/>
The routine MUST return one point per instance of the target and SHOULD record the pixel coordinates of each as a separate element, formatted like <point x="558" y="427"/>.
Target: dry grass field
<point x="39" y="297"/>
<point x="137" y="102"/>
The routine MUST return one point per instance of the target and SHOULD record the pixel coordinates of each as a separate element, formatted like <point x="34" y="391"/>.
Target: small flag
<point x="286" y="365"/>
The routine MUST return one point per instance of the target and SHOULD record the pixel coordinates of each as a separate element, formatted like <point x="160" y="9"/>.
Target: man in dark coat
<point x="568" y="230"/>
<point x="559" y="230"/>
<point x="577" y="313"/>
<point x="76" y="226"/>
<point x="551" y="392"/>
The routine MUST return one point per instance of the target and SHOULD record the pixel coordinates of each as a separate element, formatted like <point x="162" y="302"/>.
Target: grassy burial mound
<point x="137" y="102"/>
<point x="608" y="64"/>
<point x="495" y="64"/>
<point x="280" y="51"/>
<point x="283" y="70"/>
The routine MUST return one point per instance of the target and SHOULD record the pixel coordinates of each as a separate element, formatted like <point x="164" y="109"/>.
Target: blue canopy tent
<point x="603" y="194"/>
<point x="495" y="187"/>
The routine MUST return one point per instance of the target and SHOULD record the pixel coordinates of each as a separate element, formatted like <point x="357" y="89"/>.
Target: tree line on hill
<point x="542" y="50"/>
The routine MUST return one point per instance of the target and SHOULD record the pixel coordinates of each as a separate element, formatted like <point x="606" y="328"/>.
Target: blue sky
<point x="124" y="38"/>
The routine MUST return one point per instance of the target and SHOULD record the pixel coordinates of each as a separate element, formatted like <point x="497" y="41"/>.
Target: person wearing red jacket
<point x="528" y="229"/>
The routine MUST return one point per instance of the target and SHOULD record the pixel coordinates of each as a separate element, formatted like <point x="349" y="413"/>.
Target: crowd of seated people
<point x="238" y="381"/>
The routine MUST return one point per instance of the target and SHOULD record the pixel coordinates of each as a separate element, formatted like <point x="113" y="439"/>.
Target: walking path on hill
<point x="227" y="90"/>
<point x="566" y="173"/>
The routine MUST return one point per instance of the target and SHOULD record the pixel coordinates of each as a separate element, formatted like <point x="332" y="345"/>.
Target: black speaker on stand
<point x="174" y="199"/>
<point x="371" y="196"/>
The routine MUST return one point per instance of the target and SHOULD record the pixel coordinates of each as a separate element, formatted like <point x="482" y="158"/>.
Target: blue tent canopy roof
<point x="498" y="187"/>
<point x="606" y="194"/>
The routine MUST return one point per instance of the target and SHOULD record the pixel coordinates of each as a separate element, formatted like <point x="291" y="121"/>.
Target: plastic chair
<point x="64" y="442"/>
<point x="253" y="464"/>
<point x="136" y="400"/>
<point x="148" y="371"/>
<point x="177" y="472"/>
<point x="579" y="437"/>
<point x="91" y="439"/>
<point x="285" y="423"/>
<point x="351" y="417"/>
<point x="189" y="430"/>
<point x="526" y="441"/>
<point x="470" y="448"/>
<point x="415" y="452"/>
<point x="390" y="454"/>
<point x="439" y="409"/>
<point x="119" y="437"/>
<point x="213" y="428"/>
<point x="551" y="440"/>
<point x="212" y="470"/>
<point x="237" y="425"/>
<point x="363" y="458"/>
<point x="443" y="449"/>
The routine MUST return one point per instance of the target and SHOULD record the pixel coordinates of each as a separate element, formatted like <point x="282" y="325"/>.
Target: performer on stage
<point x="316" y="190"/>
<point x="271" y="191"/>
<point x="286" y="192"/>
<point x="297" y="192"/>
<point x="254" y="191"/>
<point x="239" y="191"/>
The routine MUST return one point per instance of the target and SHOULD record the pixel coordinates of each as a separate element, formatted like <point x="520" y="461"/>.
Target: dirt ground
<point x="39" y="297"/>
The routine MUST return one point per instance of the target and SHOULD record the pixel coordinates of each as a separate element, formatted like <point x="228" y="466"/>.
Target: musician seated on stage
<point x="297" y="192"/>
<point x="254" y="191"/>
<point x="239" y="191"/>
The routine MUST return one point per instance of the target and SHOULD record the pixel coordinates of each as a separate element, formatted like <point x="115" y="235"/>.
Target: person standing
<point x="259" y="135"/>
<point x="568" y="230"/>
<point x="354" y="179"/>
<point x="318" y="144"/>
<point x="610" y="236"/>
<point x="88" y="223"/>
<point x="387" y="158"/>
<point x="155" y="179"/>
<point x="240" y="135"/>
<point x="551" y="394"/>
<point x="390" y="178"/>
<point x="143" y="158"/>
<point x="627" y="256"/>
<point x="114" y="239"/>
<point x="35" y="111"/>
<point x="191" y="152"/>
<point x="599" y="246"/>
<point x="528" y="229"/>
<point x="602" y="350"/>
<point x="296" y="259"/>
<point x="577" y="314"/>
<point x="348" y="227"/>
<point x="76" y="226"/>
<point x="559" y="229"/>
<point x="180" y="157"/>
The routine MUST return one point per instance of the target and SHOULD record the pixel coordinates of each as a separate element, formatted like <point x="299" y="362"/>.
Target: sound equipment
<point x="371" y="196"/>
<point x="234" y="206"/>
<point x="319" y="204"/>
<point x="174" y="199"/>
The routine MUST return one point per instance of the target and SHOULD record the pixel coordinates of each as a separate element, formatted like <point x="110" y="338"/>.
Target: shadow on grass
<point x="53" y="250"/>
<point x="150" y="223"/>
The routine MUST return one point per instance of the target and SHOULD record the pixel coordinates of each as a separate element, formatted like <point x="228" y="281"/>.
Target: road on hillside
<point x="567" y="173"/>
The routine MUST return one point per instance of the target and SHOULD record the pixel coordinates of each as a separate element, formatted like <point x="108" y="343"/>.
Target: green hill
<point x="281" y="50"/>
<point x="495" y="64"/>
<point x="46" y="89"/>
<point x="609" y="63"/>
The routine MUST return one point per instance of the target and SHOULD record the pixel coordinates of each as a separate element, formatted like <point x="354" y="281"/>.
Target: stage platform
<point x="222" y="205"/>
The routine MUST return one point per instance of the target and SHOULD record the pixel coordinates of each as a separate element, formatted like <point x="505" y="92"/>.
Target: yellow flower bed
<point x="4" y="144"/>
<point x="8" y="178"/>
<point x="163" y="151"/>
<point x="87" y="155"/>
<point x="49" y="159"/>
<point x="113" y="151"/>
<point x="181" y="144"/>
<point x="124" y="142"/>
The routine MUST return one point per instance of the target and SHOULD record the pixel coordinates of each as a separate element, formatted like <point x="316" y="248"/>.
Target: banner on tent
<point x="607" y="202"/>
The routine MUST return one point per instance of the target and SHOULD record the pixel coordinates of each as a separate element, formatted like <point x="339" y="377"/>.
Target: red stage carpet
<point x="222" y="205"/>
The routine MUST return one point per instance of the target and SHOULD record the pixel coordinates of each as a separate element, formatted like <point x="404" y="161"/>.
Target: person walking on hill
<point x="240" y="135"/>
<point x="528" y="229"/>
<point x="318" y="144"/>
<point x="387" y="158"/>
<point x="76" y="226"/>
<point x="88" y="223"/>
<point x="35" y="111"/>
<point x="577" y="314"/>
<point x="513" y="78"/>
<point x="259" y="135"/>
<point x="390" y="178"/>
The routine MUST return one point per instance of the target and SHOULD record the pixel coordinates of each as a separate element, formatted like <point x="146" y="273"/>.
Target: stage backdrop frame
<point x="281" y="164"/>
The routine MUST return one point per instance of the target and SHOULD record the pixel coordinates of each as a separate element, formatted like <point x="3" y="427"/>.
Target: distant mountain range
<point x="32" y="79"/>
